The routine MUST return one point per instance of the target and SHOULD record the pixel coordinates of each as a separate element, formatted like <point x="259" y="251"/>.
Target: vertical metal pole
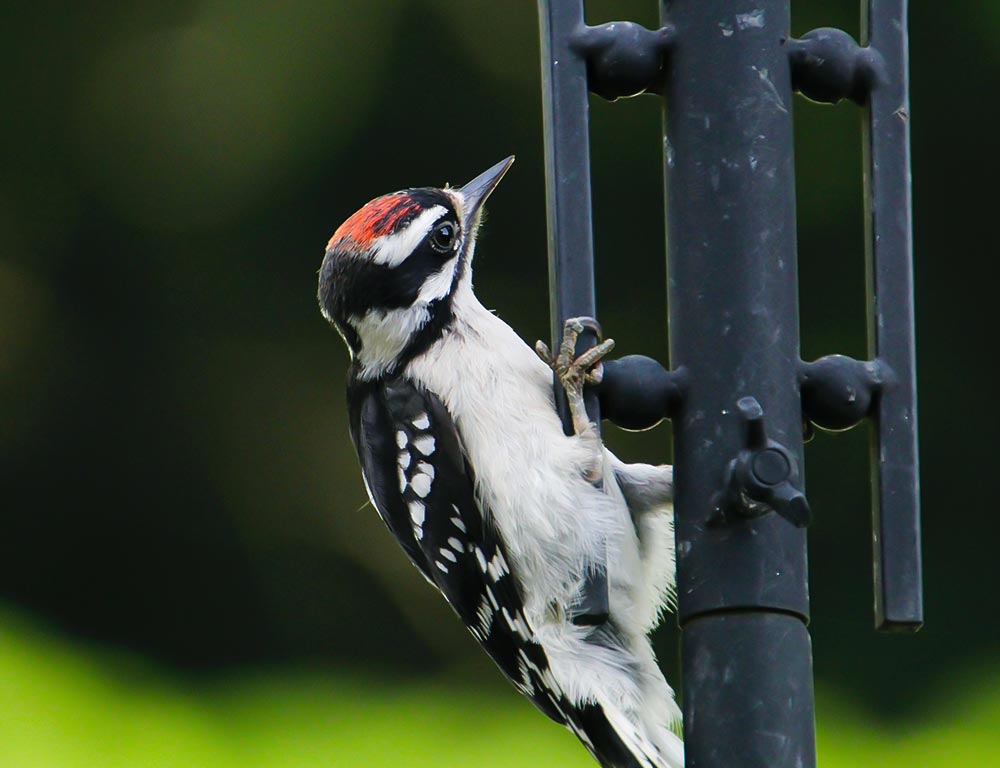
<point x="567" y="165"/>
<point x="733" y="300"/>
<point x="895" y="462"/>
<point x="570" y="232"/>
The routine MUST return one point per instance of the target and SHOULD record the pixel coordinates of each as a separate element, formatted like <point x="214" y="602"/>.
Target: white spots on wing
<point x="516" y="624"/>
<point x="493" y="599"/>
<point x="508" y="617"/>
<point x="417" y="513"/>
<point x="521" y="628"/>
<point x="422" y="421"/>
<point x="549" y="681"/>
<point x="457" y="522"/>
<point x="425" y="444"/>
<point x="529" y="663"/>
<point x="447" y="554"/>
<point x="497" y="567"/>
<point x="525" y="686"/>
<point x="421" y="481"/>
<point x="543" y="674"/>
<point x="455" y="544"/>
<point x="421" y="484"/>
<point x="441" y="566"/>
<point x="420" y="478"/>
<point x="401" y="439"/>
<point x="482" y="559"/>
<point x="485" y="616"/>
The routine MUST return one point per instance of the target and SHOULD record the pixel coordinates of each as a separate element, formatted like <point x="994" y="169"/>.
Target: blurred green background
<point x="188" y="572"/>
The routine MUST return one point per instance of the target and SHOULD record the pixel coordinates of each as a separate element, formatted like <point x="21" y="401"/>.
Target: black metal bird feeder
<point x="737" y="391"/>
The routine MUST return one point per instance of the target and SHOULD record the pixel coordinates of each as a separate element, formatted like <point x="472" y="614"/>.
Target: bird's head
<point x="392" y="270"/>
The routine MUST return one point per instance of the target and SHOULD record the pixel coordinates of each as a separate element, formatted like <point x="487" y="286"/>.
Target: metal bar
<point x="570" y="232"/>
<point x="733" y="301"/>
<point x="567" y="165"/>
<point x="889" y="249"/>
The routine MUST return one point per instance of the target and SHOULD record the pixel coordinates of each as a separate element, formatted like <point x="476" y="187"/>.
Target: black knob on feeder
<point x="761" y="479"/>
<point x="828" y="65"/>
<point x="637" y="393"/>
<point x="623" y="58"/>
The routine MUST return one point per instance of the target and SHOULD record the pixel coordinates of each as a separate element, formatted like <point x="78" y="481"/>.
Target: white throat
<point x="384" y="334"/>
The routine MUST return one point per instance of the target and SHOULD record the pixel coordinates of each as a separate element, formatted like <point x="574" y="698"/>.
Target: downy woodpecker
<point x="465" y="459"/>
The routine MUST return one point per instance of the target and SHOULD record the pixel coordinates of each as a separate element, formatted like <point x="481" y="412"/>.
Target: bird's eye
<point x="443" y="237"/>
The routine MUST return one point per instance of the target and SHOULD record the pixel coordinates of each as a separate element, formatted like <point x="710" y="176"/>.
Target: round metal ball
<point x="837" y="391"/>
<point x="624" y="59"/>
<point x="827" y="66"/>
<point x="636" y="392"/>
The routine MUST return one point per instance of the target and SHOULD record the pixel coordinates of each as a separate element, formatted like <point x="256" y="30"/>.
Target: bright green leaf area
<point x="63" y="706"/>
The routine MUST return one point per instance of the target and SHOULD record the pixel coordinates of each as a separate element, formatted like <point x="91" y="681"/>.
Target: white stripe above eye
<point x="393" y="249"/>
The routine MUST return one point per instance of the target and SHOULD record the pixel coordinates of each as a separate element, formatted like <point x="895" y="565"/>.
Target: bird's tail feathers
<point x="617" y="740"/>
<point x="622" y="708"/>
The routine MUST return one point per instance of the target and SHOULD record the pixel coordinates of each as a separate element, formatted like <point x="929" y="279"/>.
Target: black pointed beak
<point x="476" y="191"/>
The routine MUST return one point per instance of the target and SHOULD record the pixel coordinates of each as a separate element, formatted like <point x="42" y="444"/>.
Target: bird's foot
<point x="574" y="372"/>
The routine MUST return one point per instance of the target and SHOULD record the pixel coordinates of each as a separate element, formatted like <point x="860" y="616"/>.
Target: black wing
<point x="375" y="439"/>
<point x="424" y="490"/>
<point x="420" y="483"/>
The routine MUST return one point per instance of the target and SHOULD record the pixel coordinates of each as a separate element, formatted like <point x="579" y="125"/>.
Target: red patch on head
<point x="382" y="216"/>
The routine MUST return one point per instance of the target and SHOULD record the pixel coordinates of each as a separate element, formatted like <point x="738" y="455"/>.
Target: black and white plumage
<point x="465" y="459"/>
